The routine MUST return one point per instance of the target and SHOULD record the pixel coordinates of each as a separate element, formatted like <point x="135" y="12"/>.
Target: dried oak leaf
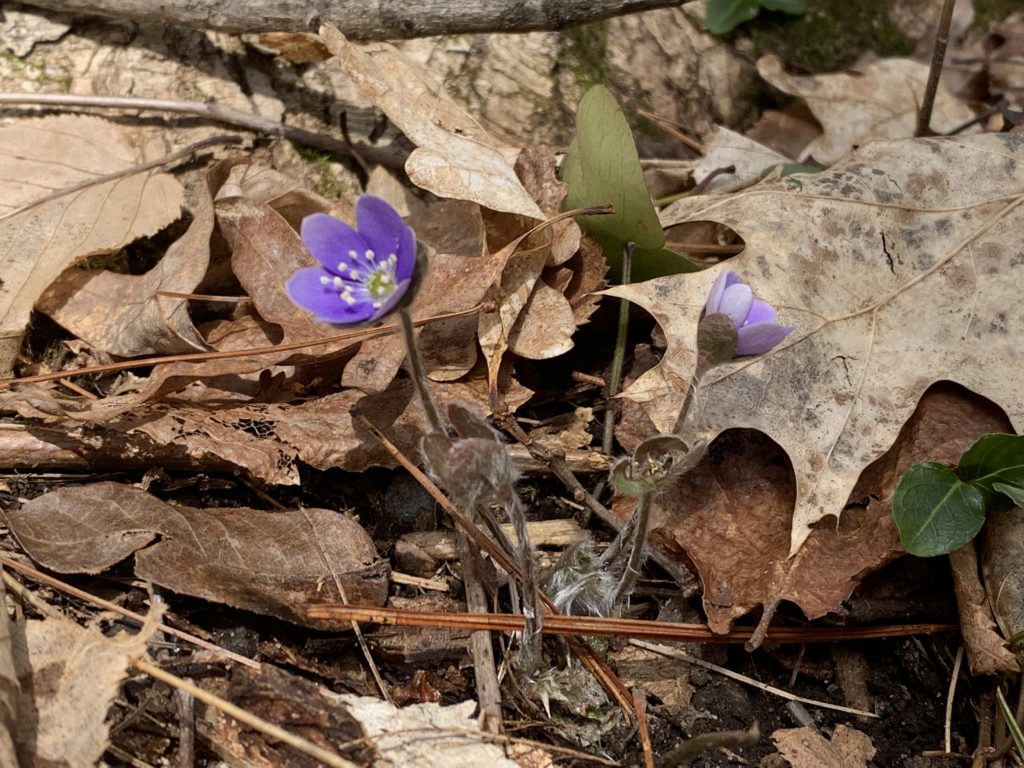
<point x="878" y="101"/>
<point x="272" y="563"/>
<point x="70" y="192"/>
<point x="900" y="267"/>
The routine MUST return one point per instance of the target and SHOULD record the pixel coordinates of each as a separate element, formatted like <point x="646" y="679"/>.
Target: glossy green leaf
<point x="994" y="459"/>
<point x="602" y="166"/>
<point x="794" y="7"/>
<point x="935" y="511"/>
<point x="724" y="15"/>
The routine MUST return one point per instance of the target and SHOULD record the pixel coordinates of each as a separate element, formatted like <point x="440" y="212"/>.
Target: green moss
<point x="328" y="185"/>
<point x="39" y="71"/>
<point x="987" y="12"/>
<point x="585" y="53"/>
<point x="830" y="36"/>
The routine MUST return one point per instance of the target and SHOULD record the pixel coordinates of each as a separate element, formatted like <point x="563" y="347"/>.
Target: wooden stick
<point x="362" y="19"/>
<point x="574" y="626"/>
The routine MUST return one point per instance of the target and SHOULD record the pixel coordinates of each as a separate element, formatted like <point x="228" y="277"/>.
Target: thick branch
<point x="362" y="19"/>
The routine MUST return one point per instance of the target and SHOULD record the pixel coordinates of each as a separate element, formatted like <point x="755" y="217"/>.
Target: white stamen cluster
<point x="377" y="284"/>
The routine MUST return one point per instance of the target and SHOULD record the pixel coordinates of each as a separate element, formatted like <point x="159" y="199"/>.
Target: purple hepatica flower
<point x="364" y="272"/>
<point x="754" y="319"/>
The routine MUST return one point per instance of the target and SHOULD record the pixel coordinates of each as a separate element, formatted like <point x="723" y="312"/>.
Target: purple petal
<point x="306" y="290"/>
<point x="406" y="255"/>
<point x="758" y="338"/>
<point x="736" y="302"/>
<point x="331" y="240"/>
<point x="380" y="225"/>
<point x="723" y="281"/>
<point x="760" y="312"/>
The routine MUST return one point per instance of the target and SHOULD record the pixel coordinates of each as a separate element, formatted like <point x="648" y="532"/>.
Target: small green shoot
<point x="725" y="15"/>
<point x="938" y="510"/>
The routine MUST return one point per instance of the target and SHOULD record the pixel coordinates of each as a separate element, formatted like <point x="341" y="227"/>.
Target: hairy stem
<point x="418" y="371"/>
<point x="619" y="359"/>
<point x="636" y="554"/>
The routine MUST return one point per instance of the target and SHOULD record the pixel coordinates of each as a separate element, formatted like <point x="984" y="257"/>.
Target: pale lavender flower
<point x="756" y="327"/>
<point x="364" y="272"/>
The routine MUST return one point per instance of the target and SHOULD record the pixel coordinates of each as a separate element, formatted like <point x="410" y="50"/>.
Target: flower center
<point x="372" y="281"/>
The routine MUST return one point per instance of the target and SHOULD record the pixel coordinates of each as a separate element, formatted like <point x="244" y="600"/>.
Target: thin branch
<point x="362" y="19"/>
<point x="388" y="156"/>
<point x="924" y="116"/>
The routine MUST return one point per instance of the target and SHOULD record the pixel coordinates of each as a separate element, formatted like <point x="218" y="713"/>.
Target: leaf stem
<point x="619" y="358"/>
<point x="418" y="371"/>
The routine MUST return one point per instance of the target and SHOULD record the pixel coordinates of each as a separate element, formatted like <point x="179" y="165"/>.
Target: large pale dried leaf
<point x="900" y="267"/>
<point x="271" y="563"/>
<point x="744" y="485"/>
<point x="807" y="748"/>
<point x="57" y="207"/>
<point x="879" y="101"/>
<point x="455" y="157"/>
<point x="123" y="315"/>
<point x="70" y="678"/>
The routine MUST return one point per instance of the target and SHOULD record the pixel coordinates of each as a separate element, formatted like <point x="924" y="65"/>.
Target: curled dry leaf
<point x="455" y="157"/>
<point x="63" y="701"/>
<point x="271" y="563"/>
<point x="124" y="315"/>
<point x="878" y="101"/>
<point x="987" y="653"/>
<point x="1003" y="566"/>
<point x="900" y="267"/>
<point x="70" y="192"/>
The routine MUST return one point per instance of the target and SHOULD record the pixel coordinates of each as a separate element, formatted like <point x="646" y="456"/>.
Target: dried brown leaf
<point x="900" y="267"/>
<point x="70" y="678"/>
<point x="807" y="748"/>
<point x="60" y="206"/>
<point x="878" y="101"/>
<point x="123" y="315"/>
<point x="744" y="485"/>
<point x="455" y="156"/>
<point x="987" y="653"/>
<point x="459" y="273"/>
<point x="271" y="563"/>
<point x="1003" y="566"/>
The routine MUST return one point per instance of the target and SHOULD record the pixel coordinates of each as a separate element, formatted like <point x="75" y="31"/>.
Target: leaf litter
<point x="844" y="406"/>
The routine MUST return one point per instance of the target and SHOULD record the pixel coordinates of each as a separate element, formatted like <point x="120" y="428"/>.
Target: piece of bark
<point x="441" y="545"/>
<point x="362" y="19"/>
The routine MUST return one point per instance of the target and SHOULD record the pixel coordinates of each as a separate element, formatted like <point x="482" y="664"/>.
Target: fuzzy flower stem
<point x="418" y="371"/>
<point x="698" y="373"/>
<point x="619" y="359"/>
<point x="636" y="555"/>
